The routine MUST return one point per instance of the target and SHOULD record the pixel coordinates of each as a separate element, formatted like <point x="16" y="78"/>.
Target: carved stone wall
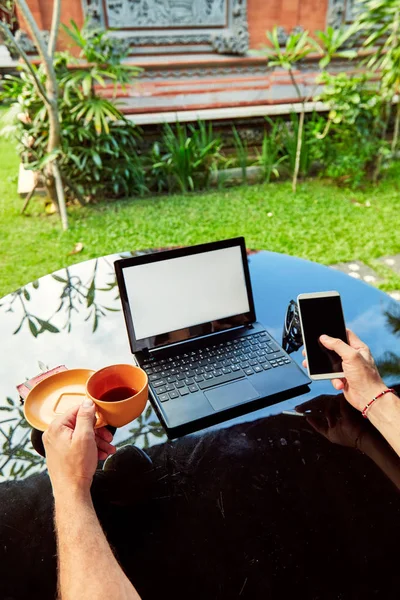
<point x="152" y="26"/>
<point x="137" y="14"/>
<point x="341" y="12"/>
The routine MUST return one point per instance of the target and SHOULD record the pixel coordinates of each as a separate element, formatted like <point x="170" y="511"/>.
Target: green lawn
<point x="322" y="223"/>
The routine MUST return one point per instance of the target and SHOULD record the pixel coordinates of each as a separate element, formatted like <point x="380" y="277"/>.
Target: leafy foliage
<point x="355" y="127"/>
<point x="242" y="152"/>
<point x="331" y="42"/>
<point x="350" y="99"/>
<point x="272" y="151"/>
<point x="297" y="47"/>
<point x="380" y="22"/>
<point x="187" y="155"/>
<point x="99" y="156"/>
<point x="290" y="136"/>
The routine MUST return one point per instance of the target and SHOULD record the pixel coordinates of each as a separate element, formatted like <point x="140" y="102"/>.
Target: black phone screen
<point x="322" y="316"/>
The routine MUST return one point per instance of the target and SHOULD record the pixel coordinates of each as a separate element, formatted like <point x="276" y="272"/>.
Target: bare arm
<point x="385" y="415"/>
<point x="87" y="566"/>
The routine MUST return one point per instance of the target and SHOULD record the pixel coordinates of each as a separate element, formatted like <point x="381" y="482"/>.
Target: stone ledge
<point x="217" y="114"/>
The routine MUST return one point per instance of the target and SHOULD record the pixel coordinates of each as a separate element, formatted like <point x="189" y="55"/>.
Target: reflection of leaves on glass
<point x="36" y="325"/>
<point x="145" y="426"/>
<point x="17" y="457"/>
<point x="75" y="295"/>
<point x="392" y="315"/>
<point x="389" y="363"/>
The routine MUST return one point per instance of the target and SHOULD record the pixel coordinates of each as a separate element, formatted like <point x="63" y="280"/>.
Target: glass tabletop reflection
<point x="73" y="317"/>
<point x="276" y="489"/>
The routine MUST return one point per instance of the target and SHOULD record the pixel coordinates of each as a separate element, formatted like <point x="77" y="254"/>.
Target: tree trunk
<point x="53" y="143"/>
<point x="52" y="174"/>
<point x="387" y="108"/>
<point x="50" y="184"/>
<point x="299" y="131"/>
<point x="298" y="149"/>
<point x="60" y="192"/>
<point x="396" y="128"/>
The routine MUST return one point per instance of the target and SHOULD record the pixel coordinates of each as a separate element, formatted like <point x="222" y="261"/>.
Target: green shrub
<point x="242" y="153"/>
<point x="353" y="141"/>
<point x="272" y="153"/>
<point x="310" y="152"/>
<point x="187" y="155"/>
<point x="99" y="156"/>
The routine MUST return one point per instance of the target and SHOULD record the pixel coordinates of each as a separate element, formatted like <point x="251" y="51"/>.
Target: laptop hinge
<point x="147" y="352"/>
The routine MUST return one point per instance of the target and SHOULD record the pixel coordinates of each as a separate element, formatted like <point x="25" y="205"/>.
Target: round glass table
<point x="269" y="504"/>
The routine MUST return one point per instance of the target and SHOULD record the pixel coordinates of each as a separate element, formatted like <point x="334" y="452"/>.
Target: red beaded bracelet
<point x="388" y="391"/>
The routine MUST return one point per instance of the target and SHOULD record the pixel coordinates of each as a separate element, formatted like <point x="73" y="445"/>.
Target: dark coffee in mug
<point x="117" y="394"/>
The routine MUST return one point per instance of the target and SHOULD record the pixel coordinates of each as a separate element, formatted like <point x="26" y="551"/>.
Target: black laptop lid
<point x="177" y="295"/>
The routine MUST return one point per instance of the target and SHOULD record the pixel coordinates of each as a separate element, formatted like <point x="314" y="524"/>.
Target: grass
<point x="321" y="222"/>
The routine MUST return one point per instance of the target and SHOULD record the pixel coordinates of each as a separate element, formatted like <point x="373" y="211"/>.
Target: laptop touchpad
<point x="232" y="394"/>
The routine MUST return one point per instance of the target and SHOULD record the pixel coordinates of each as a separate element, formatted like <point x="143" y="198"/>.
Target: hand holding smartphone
<point x="322" y="313"/>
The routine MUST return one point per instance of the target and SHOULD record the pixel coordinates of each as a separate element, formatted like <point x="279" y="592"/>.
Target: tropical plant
<point x="380" y="22"/>
<point x="298" y="46"/>
<point x="331" y="42"/>
<point x="97" y="155"/>
<point x="46" y="89"/>
<point x="351" y="100"/>
<point x="241" y="152"/>
<point x="157" y="175"/>
<point x="188" y="155"/>
<point x="309" y="143"/>
<point x="272" y="152"/>
<point x="355" y="127"/>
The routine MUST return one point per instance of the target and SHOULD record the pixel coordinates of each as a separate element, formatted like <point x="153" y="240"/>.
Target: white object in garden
<point x="5" y="57"/>
<point x="26" y="180"/>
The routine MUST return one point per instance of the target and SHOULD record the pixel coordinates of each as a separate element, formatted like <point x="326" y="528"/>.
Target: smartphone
<point x="321" y="313"/>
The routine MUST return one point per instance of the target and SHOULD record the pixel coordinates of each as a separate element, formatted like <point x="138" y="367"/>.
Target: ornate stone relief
<point x="220" y="25"/>
<point x="25" y="42"/>
<point x="235" y="40"/>
<point x="93" y="11"/>
<point x="160" y="13"/>
<point x="341" y="12"/>
<point x="336" y="13"/>
<point x="283" y="34"/>
<point x="203" y="72"/>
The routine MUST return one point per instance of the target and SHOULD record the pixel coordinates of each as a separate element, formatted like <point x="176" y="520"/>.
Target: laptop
<point x="192" y="327"/>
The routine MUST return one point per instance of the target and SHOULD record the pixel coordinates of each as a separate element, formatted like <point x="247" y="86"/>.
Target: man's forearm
<point x="87" y="566"/>
<point x="384" y="414"/>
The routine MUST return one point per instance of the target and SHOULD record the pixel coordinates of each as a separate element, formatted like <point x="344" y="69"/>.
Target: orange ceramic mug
<point x="120" y="393"/>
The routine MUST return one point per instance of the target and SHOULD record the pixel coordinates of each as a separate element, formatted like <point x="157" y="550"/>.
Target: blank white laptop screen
<point x="182" y="292"/>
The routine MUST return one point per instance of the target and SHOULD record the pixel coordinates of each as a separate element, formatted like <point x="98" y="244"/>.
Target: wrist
<point x="381" y="411"/>
<point x="71" y="492"/>
<point x="369" y="392"/>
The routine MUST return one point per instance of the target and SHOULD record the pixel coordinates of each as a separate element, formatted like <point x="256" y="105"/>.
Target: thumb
<point x="85" y="418"/>
<point x="338" y="346"/>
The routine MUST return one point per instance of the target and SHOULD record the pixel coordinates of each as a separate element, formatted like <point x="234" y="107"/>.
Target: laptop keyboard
<point x="203" y="368"/>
